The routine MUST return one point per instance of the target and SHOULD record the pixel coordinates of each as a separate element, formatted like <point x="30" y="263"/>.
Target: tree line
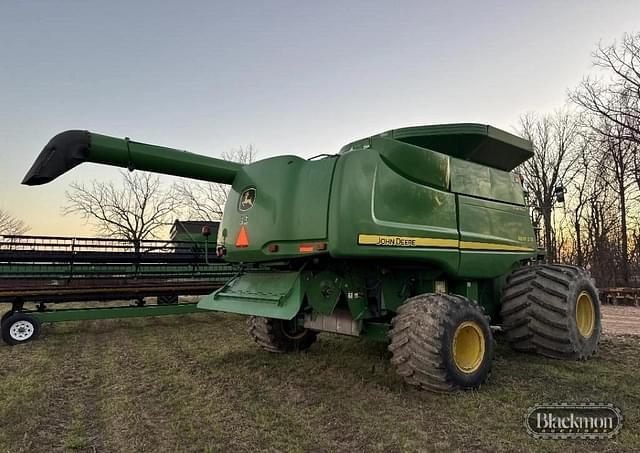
<point x="583" y="183"/>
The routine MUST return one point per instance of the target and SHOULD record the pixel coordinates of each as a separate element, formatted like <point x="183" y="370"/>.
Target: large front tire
<point x="441" y="342"/>
<point x="277" y="335"/>
<point x="552" y="310"/>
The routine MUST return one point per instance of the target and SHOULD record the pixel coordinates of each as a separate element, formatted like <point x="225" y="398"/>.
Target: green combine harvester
<point x="417" y="236"/>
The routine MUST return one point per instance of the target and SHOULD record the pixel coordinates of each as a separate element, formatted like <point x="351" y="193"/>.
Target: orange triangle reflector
<point x="243" y="237"/>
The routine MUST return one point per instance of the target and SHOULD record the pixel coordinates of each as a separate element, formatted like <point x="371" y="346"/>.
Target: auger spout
<point x="71" y="148"/>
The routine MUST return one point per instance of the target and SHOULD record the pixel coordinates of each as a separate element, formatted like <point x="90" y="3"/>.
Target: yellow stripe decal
<point x="491" y="246"/>
<point x="406" y="241"/>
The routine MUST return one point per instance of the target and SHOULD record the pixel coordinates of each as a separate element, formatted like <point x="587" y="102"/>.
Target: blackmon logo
<point x="247" y="199"/>
<point x="566" y="421"/>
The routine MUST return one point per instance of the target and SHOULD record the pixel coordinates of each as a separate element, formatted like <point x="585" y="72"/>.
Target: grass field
<point x="198" y="383"/>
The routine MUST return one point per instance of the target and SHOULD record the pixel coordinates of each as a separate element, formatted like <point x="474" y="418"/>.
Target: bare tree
<point x="578" y="199"/>
<point x="135" y="210"/>
<point x="600" y="222"/>
<point x="556" y="141"/>
<point x="11" y="225"/>
<point x="610" y="101"/>
<point x="617" y="96"/>
<point x="205" y="201"/>
<point x="619" y="161"/>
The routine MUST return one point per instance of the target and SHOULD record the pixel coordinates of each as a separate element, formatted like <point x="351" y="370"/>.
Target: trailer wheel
<point x="20" y="328"/>
<point x="441" y="342"/>
<point x="5" y="316"/>
<point x="277" y="335"/>
<point x="552" y="310"/>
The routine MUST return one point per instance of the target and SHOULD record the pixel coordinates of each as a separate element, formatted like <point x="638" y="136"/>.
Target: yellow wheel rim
<point x="468" y="347"/>
<point x="585" y="314"/>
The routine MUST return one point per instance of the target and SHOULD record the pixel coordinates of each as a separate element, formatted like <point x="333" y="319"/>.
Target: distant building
<point x="191" y="230"/>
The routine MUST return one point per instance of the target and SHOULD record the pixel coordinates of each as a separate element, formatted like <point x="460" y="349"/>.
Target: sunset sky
<point x="288" y="77"/>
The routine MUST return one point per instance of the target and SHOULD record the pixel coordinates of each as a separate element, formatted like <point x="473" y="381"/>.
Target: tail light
<point x="310" y="248"/>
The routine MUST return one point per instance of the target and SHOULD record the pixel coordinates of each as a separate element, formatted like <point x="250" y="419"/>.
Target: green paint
<point x="141" y="156"/>
<point x="409" y="161"/>
<point x="484" y="221"/>
<point x="468" y="289"/>
<point x="274" y="294"/>
<point x="481" y="181"/>
<point x="369" y="197"/>
<point x="323" y="292"/>
<point x="474" y="142"/>
<point x="216" y="272"/>
<point x="290" y="209"/>
<point x="82" y="314"/>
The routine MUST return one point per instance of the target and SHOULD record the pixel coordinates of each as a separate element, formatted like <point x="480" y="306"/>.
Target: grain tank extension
<point x="418" y="236"/>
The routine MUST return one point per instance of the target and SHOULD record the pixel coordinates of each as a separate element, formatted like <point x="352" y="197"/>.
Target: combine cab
<point x="417" y="236"/>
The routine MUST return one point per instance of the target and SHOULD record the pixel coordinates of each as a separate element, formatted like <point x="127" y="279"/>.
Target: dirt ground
<point x="619" y="320"/>
<point x="198" y="383"/>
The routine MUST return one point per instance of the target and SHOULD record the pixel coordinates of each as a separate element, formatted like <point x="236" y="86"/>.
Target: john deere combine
<point x="418" y="236"/>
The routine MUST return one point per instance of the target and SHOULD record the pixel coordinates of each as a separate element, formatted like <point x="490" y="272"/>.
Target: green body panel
<point x="468" y="289"/>
<point x="477" y="180"/>
<point x="274" y="294"/>
<point x="411" y="161"/>
<point x="505" y="227"/>
<point x="290" y="208"/>
<point x="380" y="201"/>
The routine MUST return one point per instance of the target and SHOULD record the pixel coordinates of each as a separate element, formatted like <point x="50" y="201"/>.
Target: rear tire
<point x="277" y="335"/>
<point x="441" y="342"/>
<point x="552" y="310"/>
<point x="20" y="328"/>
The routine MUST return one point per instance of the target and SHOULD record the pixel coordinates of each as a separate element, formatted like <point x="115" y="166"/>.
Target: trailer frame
<point x="48" y="270"/>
